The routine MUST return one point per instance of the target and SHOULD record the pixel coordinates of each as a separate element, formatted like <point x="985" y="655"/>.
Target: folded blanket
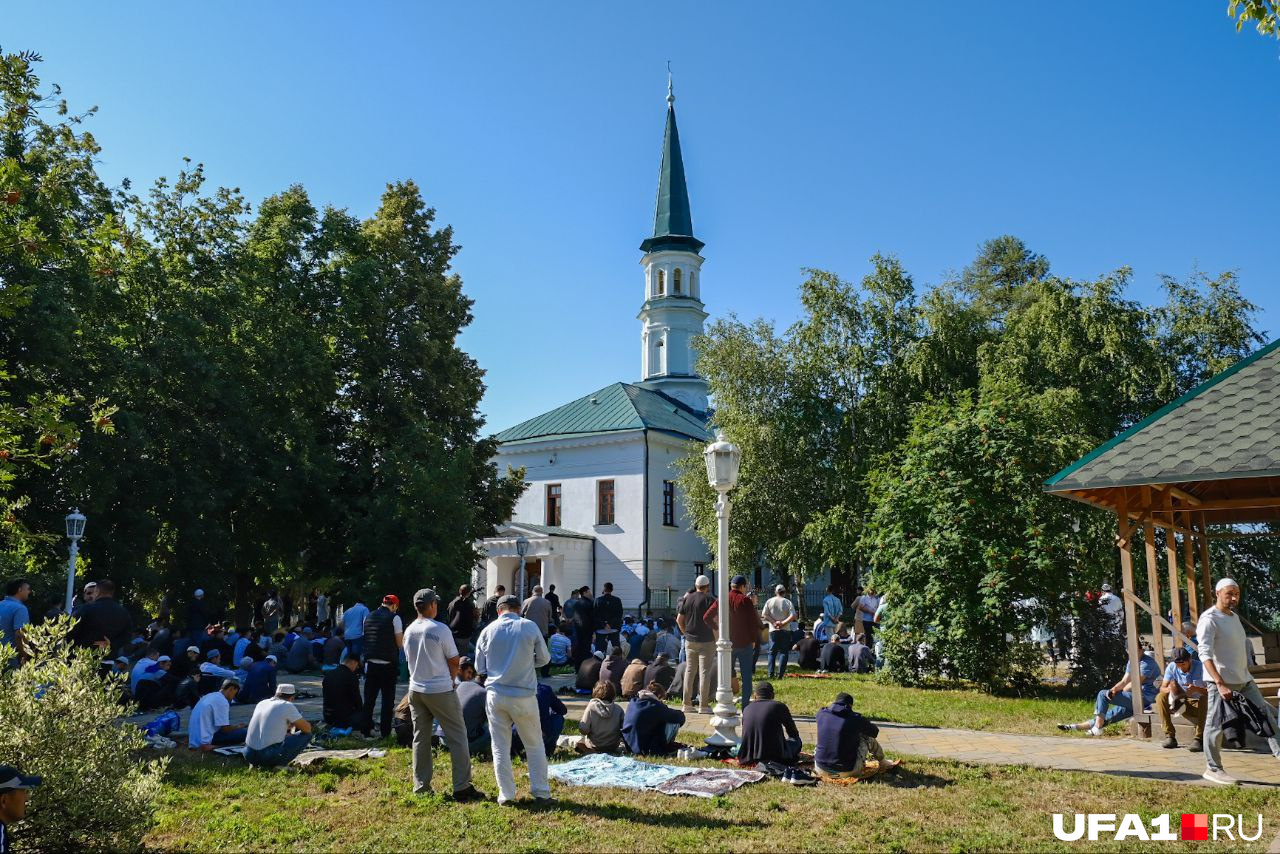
<point x="709" y="782"/>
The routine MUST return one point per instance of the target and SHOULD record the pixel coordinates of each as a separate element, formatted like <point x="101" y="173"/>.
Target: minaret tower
<point x="672" y="313"/>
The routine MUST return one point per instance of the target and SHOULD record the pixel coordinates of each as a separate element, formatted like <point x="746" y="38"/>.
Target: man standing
<point x="554" y="599"/>
<point x="210" y="725"/>
<point x="507" y="652"/>
<point x="584" y="626"/>
<point x="1183" y="685"/>
<point x="744" y="630"/>
<point x="700" y="647"/>
<point x="865" y="606"/>
<point x="198" y="617"/>
<point x="607" y="612"/>
<point x="537" y="610"/>
<point x="104" y="622"/>
<point x="779" y="613"/>
<point x="462" y="619"/>
<point x="353" y="626"/>
<point x="832" y="605"/>
<point x="383" y="638"/>
<point x="433" y="665"/>
<point x="269" y="740"/>
<point x="271" y="613"/>
<point x="490" y="611"/>
<point x="13" y="616"/>
<point x="1224" y="652"/>
<point x="14" y="791"/>
<point x="322" y="609"/>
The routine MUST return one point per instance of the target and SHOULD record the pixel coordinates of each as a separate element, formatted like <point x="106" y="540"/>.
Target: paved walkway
<point x="1123" y="757"/>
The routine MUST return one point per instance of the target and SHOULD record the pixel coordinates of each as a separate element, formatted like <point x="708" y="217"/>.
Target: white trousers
<point x="522" y="712"/>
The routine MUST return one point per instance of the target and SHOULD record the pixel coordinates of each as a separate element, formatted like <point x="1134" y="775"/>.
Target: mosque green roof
<point x="614" y="408"/>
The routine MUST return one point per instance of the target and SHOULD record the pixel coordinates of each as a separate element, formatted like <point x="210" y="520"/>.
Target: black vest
<point x="380" y="635"/>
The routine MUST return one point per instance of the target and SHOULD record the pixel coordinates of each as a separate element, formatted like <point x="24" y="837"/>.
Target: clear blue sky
<point x="814" y="134"/>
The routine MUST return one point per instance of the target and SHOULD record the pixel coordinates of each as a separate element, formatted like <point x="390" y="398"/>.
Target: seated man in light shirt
<point x="1183" y="689"/>
<point x="559" y="646"/>
<point x="269" y="740"/>
<point x="210" y="725"/>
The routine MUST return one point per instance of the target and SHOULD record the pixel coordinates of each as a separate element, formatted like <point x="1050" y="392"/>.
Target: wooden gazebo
<point x="1211" y="457"/>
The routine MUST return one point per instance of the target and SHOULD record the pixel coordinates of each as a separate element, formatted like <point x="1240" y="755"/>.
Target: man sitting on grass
<point x="210" y="725"/>
<point x="833" y="658"/>
<point x="649" y="727"/>
<point x="269" y="740"/>
<point x="845" y="740"/>
<point x="861" y="657"/>
<point x="1115" y="704"/>
<point x="633" y="679"/>
<point x="559" y="646"/>
<point x="810" y="649"/>
<point x="343" y="707"/>
<point x="769" y="733"/>
<point x="601" y="724"/>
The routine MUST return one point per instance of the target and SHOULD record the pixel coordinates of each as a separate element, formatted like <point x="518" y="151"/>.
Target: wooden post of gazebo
<point x="1212" y="457"/>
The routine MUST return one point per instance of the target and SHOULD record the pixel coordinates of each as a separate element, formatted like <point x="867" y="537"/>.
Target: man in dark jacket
<point x="588" y="674"/>
<point x="490" y="611"/>
<point x="104" y="622"/>
<point x="661" y="672"/>
<point x="833" y="658"/>
<point x="461" y="618"/>
<point x="611" y="670"/>
<point x="342" y="704"/>
<point x="769" y="733"/>
<point x="845" y="740"/>
<point x="607" y="613"/>
<point x="383" y="638"/>
<point x="862" y="659"/>
<point x="810" y="649"/>
<point x="649" y="727"/>
<point x="584" y="626"/>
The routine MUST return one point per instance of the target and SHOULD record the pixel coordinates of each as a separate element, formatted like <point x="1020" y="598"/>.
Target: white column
<point x="725" y="713"/>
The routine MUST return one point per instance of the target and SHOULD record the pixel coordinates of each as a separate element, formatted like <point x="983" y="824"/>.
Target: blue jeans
<point x="355" y="646"/>
<point x="781" y="650"/>
<point x="745" y="657"/>
<point x="228" y="737"/>
<point x="281" y="753"/>
<point x="1115" y="708"/>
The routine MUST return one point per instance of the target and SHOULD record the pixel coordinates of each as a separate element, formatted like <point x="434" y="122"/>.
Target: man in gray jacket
<point x="537" y="610"/>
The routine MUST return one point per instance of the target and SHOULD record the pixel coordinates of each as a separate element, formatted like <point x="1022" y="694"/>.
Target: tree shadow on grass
<point x="669" y="818"/>
<point x="905" y="778"/>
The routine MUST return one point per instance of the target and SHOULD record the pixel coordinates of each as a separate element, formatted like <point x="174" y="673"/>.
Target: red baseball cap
<point x="391" y="599"/>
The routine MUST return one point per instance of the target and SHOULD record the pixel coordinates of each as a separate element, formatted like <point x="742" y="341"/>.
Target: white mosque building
<point x="602" y="502"/>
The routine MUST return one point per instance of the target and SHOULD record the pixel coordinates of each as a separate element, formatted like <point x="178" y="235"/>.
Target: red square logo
<point x="1195" y="827"/>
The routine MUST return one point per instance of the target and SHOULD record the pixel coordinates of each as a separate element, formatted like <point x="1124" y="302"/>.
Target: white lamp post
<point x="75" y="530"/>
<point x="522" y="549"/>
<point x="723" y="459"/>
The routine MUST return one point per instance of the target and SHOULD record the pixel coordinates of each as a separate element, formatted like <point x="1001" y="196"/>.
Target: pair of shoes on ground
<point x="537" y="802"/>
<point x="462" y="796"/>
<point x="1171" y="743"/>
<point x="1092" y="730"/>
<point x="799" y="777"/>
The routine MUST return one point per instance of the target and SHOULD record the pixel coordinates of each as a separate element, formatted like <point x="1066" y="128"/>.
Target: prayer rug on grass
<point x="601" y="769"/>
<point x="707" y="783"/>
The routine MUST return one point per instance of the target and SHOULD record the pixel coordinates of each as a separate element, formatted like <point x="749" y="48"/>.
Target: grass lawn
<point x="352" y="805"/>
<point x="939" y="707"/>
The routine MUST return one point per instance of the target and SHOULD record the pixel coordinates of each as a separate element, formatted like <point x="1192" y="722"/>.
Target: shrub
<point x="61" y="720"/>
<point x="1098" y="654"/>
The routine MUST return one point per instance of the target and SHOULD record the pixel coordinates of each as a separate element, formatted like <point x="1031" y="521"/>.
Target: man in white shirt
<point x="865" y="607"/>
<point x="268" y="739"/>
<point x="213" y="666"/>
<point x="508" y="651"/>
<point x="139" y="671"/>
<point x="210" y="725"/>
<point x="1224" y="652"/>
<point x="779" y="613"/>
<point x="1111" y="604"/>
<point x="433" y="657"/>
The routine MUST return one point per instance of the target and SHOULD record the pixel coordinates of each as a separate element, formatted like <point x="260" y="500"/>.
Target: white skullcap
<point x="1225" y="583"/>
<point x="779" y="589"/>
<point x="702" y="581"/>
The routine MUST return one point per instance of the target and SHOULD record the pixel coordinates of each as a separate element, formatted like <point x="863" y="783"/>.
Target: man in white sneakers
<point x="508" y="652"/>
<point x="432" y="654"/>
<point x="1224" y="652"/>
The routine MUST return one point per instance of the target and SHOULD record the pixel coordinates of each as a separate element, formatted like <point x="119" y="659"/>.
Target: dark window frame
<point x="606" y="502"/>
<point x="555" y="504"/>
<point x="669" y="503"/>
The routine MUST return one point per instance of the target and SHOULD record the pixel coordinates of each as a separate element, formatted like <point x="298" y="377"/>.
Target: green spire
<point x="672" y="221"/>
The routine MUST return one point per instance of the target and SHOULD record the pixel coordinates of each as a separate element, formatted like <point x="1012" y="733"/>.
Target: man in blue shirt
<point x="13" y="616"/>
<point x="508" y="652"/>
<point x="1115" y="704"/>
<point x="353" y="627"/>
<point x="1183" y="690"/>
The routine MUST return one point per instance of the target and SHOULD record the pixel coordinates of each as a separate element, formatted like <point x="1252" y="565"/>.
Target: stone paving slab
<point x="1117" y="756"/>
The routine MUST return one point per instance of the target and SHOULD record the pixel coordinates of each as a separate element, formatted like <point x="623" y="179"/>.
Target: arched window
<point x="693" y="284"/>
<point x="662" y="282"/>
<point x="675" y="282"/>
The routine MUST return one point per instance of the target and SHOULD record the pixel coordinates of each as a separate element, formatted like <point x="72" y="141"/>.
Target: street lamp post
<point x="522" y="549"/>
<point x="75" y="530"/>
<point x="723" y="459"/>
